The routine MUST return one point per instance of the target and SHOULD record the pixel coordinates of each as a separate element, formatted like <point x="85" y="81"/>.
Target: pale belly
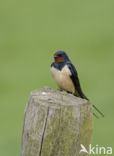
<point x="63" y="79"/>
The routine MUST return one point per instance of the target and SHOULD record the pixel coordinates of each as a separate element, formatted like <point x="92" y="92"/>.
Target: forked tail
<point x="81" y="94"/>
<point x="98" y="111"/>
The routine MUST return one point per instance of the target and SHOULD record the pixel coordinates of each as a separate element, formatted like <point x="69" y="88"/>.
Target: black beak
<point x="55" y="56"/>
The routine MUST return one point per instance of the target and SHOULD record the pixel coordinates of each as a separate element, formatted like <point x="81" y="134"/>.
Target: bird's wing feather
<point x="75" y="80"/>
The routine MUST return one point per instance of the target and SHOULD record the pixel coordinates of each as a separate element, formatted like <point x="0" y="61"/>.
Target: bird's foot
<point x="70" y="92"/>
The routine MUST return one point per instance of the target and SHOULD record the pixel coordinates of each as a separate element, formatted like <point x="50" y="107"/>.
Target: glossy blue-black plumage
<point x="58" y="66"/>
<point x="75" y="80"/>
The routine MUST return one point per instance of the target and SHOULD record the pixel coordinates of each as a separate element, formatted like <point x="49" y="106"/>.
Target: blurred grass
<point x="30" y="32"/>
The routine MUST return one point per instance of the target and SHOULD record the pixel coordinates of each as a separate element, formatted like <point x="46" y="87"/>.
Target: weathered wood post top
<point x="56" y="124"/>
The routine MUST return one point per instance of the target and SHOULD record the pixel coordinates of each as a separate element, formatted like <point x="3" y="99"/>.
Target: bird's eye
<point x="60" y="55"/>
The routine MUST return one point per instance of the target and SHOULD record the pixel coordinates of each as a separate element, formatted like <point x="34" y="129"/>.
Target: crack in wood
<point x="78" y="132"/>
<point x="43" y="133"/>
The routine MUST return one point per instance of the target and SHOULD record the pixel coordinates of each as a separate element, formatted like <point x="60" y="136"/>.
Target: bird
<point x="66" y="76"/>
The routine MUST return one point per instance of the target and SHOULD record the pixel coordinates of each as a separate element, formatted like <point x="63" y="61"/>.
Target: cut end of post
<point x="56" y="123"/>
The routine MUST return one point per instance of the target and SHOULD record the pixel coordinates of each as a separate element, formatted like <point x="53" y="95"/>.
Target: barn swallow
<point x="66" y="76"/>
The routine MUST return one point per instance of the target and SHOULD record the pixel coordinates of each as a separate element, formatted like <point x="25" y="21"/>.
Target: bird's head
<point x="60" y="56"/>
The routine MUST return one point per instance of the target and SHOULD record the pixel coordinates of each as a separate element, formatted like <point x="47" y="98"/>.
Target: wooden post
<point x="56" y="124"/>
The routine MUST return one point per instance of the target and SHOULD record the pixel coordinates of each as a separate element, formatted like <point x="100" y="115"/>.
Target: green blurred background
<point x="30" y="32"/>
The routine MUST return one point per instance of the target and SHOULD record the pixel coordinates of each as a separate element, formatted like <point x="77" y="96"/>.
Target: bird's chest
<point x="60" y="75"/>
<point x="62" y="78"/>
